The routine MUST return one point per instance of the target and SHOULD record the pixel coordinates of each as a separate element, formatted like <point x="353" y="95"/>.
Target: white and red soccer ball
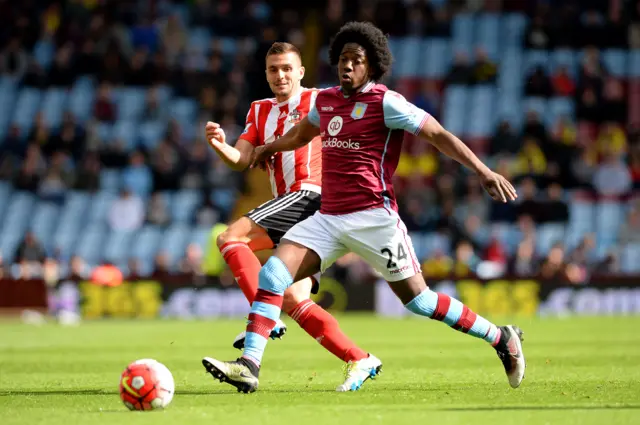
<point x="146" y="384"/>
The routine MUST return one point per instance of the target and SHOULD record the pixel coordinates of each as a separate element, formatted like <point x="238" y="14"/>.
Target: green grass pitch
<point x="580" y="371"/>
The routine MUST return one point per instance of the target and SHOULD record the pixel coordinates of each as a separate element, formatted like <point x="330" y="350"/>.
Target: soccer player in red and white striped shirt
<point x="296" y="184"/>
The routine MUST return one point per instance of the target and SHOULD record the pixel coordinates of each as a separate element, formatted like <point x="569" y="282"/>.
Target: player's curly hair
<point x="372" y="39"/>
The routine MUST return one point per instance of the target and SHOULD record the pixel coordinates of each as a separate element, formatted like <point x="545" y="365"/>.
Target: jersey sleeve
<point x="250" y="132"/>
<point x="400" y="114"/>
<point x="313" y="116"/>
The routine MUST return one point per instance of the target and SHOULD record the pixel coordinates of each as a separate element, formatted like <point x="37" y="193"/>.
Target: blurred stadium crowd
<point x="102" y="106"/>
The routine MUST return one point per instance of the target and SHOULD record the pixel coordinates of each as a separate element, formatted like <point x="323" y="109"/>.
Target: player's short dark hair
<point x="372" y="39"/>
<point x="280" y="47"/>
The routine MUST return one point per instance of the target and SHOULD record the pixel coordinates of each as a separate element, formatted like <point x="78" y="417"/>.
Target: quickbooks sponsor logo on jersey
<point x="333" y="142"/>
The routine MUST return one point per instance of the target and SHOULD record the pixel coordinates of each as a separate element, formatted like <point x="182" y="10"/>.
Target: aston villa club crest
<point x="358" y="110"/>
<point x="294" y="116"/>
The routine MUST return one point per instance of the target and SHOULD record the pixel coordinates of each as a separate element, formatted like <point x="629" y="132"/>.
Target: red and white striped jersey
<point x="267" y="120"/>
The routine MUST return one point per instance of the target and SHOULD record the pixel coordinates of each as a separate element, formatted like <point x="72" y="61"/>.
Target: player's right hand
<point x="215" y="135"/>
<point x="498" y="187"/>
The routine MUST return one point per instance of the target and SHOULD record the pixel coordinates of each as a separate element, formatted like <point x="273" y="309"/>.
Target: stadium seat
<point x="200" y="237"/>
<point x="81" y="99"/>
<point x="488" y="34"/>
<point x="184" y="205"/>
<point x="110" y="181"/>
<point x="615" y="60"/>
<point x="130" y="104"/>
<point x="410" y="47"/>
<point x="53" y="107"/>
<point x="437" y="60"/>
<point x="5" y="194"/>
<point x="509" y="107"/>
<point x="44" y="222"/>
<point x="146" y="243"/>
<point x="183" y="110"/>
<point x="559" y="107"/>
<point x="151" y="132"/>
<point x="513" y="28"/>
<point x="480" y="119"/>
<point x="454" y="107"/>
<point x="463" y="32"/>
<point x="634" y="63"/>
<point x="118" y="246"/>
<point x="91" y="243"/>
<point x="199" y="39"/>
<point x="581" y="221"/>
<point x="99" y="208"/>
<point x="43" y="53"/>
<point x="548" y="235"/>
<point x="174" y="242"/>
<point x="629" y="258"/>
<point x="535" y="58"/>
<point x="125" y="131"/>
<point x="26" y="108"/>
<point x="566" y="58"/>
<point x="609" y="215"/>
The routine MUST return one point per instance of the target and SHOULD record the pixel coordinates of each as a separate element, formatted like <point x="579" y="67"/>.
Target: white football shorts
<point x="377" y="235"/>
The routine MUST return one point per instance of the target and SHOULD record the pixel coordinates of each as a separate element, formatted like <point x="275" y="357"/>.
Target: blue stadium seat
<point x="146" y="243"/>
<point x="629" y="258"/>
<point x="199" y="39"/>
<point x="15" y="223"/>
<point x="566" y="58"/>
<point x="8" y="96"/>
<point x="118" y="246"/>
<point x="510" y="73"/>
<point x="481" y="116"/>
<point x="130" y="104"/>
<point x="454" y="108"/>
<point x="558" y="107"/>
<point x="100" y="206"/>
<point x="513" y="28"/>
<point x="174" y="242"/>
<point x="151" y="132"/>
<point x="488" y="34"/>
<point x="410" y="54"/>
<point x="26" y="108"/>
<point x="536" y="104"/>
<point x="43" y="52"/>
<point x="419" y="244"/>
<point x="463" y="29"/>
<point x="437" y="60"/>
<point x="223" y="199"/>
<point x="435" y="242"/>
<point x="535" y="58"/>
<point x="53" y="107"/>
<point x="110" y="180"/>
<point x="200" y="236"/>
<point x="91" y="243"/>
<point x="634" y="63"/>
<point x="229" y="46"/>
<point x="81" y="99"/>
<point x="184" y="205"/>
<point x="5" y="194"/>
<point x="126" y="131"/>
<point x="609" y="215"/>
<point x="581" y="221"/>
<point x="183" y="109"/>
<point x="105" y="131"/>
<point x="615" y="61"/>
<point x="44" y="222"/>
<point x="548" y="235"/>
<point x="509" y="107"/>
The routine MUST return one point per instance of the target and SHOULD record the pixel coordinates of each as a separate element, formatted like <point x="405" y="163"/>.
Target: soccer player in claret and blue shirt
<point x="362" y="124"/>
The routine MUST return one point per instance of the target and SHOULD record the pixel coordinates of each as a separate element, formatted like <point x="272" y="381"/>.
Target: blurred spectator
<point x="14" y="59"/>
<point x="533" y="127"/>
<point x="428" y="98"/>
<point x="504" y="141"/>
<point x="139" y="69"/>
<point x="563" y="84"/>
<point x="32" y="170"/>
<point x="161" y="265"/>
<point x="4" y="270"/>
<point x="612" y="178"/>
<point x="61" y="74"/>
<point x="438" y="265"/>
<point x="79" y="269"/>
<point x="553" y="267"/>
<point x="152" y="110"/>
<point x="588" y="108"/>
<point x="614" y="101"/>
<point x="584" y="254"/>
<point x="529" y="204"/>
<point x="537" y="34"/>
<point x="126" y="212"/>
<point x="538" y="83"/>
<point x="466" y="260"/>
<point x="104" y="110"/>
<point x="166" y="167"/>
<point x="30" y="250"/>
<point x="88" y="177"/>
<point x="531" y="159"/>
<point x="174" y="38"/>
<point x="207" y="215"/>
<point x="157" y="212"/>
<point x="496" y="253"/>
<point x="56" y="180"/>
<point x="630" y="228"/>
<point x="555" y="210"/>
<point x="137" y="177"/>
<point x="524" y="262"/>
<point x="134" y="269"/>
<point x="484" y="70"/>
<point x="460" y="72"/>
<point x="474" y="202"/>
<point x="192" y="261"/>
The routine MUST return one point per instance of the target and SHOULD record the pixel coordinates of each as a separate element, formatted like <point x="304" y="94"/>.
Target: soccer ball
<point x="146" y="384"/>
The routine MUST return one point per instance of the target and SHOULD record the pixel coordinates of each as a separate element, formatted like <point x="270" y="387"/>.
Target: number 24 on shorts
<point x="402" y="254"/>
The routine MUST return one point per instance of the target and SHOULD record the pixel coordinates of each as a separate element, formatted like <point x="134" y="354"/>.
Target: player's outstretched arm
<point x="299" y="136"/>
<point x="496" y="185"/>
<point x="238" y="157"/>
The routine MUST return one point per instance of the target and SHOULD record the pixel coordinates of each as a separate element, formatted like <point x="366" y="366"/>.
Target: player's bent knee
<point x="274" y="276"/>
<point x="297" y="293"/>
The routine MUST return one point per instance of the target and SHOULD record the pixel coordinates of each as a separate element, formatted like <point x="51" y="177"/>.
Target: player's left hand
<point x="498" y="187"/>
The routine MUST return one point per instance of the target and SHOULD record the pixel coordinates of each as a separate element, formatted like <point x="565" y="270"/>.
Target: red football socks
<point x="322" y="326"/>
<point x="244" y="265"/>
